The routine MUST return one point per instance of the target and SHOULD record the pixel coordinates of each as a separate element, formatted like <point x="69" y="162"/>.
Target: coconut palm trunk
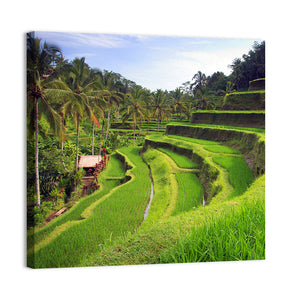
<point x="147" y="126"/>
<point x="158" y="125"/>
<point x="107" y="129"/>
<point x="37" y="179"/>
<point x="140" y="131"/>
<point x="134" y="133"/>
<point x="77" y="145"/>
<point x="93" y="138"/>
<point x="102" y="133"/>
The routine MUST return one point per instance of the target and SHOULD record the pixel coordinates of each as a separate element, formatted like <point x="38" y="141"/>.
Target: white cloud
<point x="169" y="73"/>
<point x="210" y="62"/>
<point x="70" y="39"/>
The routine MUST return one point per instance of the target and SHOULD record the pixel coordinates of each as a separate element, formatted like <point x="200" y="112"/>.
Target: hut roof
<point x="89" y="161"/>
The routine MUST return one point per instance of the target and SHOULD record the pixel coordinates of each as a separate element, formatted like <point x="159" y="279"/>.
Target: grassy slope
<point x="149" y="244"/>
<point x="114" y="168"/>
<point x="164" y="231"/>
<point x="236" y="234"/>
<point x="117" y="214"/>
<point x="190" y="194"/>
<point x="240" y="176"/>
<point x="152" y="239"/>
<point x="244" y="129"/>
<point x="181" y="160"/>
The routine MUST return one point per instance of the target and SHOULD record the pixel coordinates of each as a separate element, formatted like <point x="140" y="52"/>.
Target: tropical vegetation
<point x="177" y="192"/>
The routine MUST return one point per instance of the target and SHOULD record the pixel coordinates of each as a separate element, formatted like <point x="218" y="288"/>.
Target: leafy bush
<point x="37" y="216"/>
<point x="40" y="214"/>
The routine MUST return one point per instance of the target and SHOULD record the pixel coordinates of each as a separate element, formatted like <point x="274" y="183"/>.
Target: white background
<point x="277" y="276"/>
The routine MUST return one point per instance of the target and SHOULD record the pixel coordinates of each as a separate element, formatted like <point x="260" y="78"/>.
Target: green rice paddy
<point x="190" y="195"/>
<point x="181" y="160"/>
<point x="108" y="226"/>
<point x="237" y="234"/>
<point x="240" y="176"/>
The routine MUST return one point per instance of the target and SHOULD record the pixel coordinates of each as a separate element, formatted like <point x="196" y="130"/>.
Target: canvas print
<point x="144" y="149"/>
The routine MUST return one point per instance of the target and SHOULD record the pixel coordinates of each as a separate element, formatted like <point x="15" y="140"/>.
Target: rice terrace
<point x="123" y="173"/>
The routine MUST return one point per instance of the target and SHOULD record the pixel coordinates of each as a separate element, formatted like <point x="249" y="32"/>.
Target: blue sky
<point x="154" y="62"/>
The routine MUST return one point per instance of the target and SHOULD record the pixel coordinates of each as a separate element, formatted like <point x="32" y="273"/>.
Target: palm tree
<point x="199" y="81"/>
<point x="39" y="59"/>
<point x="178" y="102"/>
<point x="109" y="81"/>
<point x="148" y="117"/>
<point x="204" y="102"/>
<point x="160" y="107"/>
<point x="97" y="106"/>
<point x="229" y="87"/>
<point x="78" y="93"/>
<point x="134" y="107"/>
<point x="112" y="98"/>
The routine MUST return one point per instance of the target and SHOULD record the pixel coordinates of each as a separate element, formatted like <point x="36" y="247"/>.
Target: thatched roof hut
<point x="89" y="161"/>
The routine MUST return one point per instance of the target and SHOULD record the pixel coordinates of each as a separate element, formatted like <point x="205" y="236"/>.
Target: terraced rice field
<point x="190" y="195"/>
<point x="108" y="227"/>
<point x="120" y="212"/>
<point x="181" y="160"/>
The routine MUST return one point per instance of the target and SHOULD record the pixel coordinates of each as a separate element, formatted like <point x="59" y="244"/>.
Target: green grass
<point x="240" y="176"/>
<point x="150" y="244"/>
<point x="235" y="235"/>
<point x="181" y="160"/>
<point x="74" y="214"/>
<point x="119" y="214"/>
<point x="246" y="129"/>
<point x="114" y="168"/>
<point x="211" y="146"/>
<point x="190" y="192"/>
<point x="221" y="149"/>
<point x="107" y="227"/>
<point x="160" y="170"/>
<point x="193" y="140"/>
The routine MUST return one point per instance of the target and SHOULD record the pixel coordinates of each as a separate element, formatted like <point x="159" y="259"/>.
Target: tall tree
<point x="178" y="101"/>
<point x="217" y="81"/>
<point x="199" y="81"/>
<point x="204" y="100"/>
<point x="39" y="59"/>
<point x="251" y="66"/>
<point x="110" y="82"/>
<point x="160" y="106"/>
<point x="77" y="95"/>
<point x="134" y="107"/>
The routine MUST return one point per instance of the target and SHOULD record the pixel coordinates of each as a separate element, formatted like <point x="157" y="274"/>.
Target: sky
<point x="154" y="62"/>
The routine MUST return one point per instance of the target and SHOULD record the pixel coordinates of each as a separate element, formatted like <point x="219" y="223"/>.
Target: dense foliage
<point x="71" y="106"/>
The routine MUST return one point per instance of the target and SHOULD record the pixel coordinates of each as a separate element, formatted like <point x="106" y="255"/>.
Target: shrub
<point x="37" y="216"/>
